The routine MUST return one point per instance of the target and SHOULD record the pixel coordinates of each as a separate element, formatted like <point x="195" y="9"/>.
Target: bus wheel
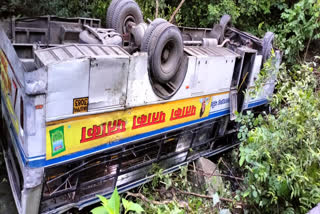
<point x="267" y="43"/>
<point x="165" y="50"/>
<point x="121" y="13"/>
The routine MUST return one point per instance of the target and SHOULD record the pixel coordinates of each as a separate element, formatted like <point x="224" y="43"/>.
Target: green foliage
<point x="167" y="187"/>
<point x="112" y="205"/>
<point x="281" y="152"/>
<point x="130" y="206"/>
<point x="216" y="10"/>
<point x="165" y="9"/>
<point x="266" y="74"/>
<point x="64" y="8"/>
<point x="258" y="17"/>
<point x="98" y="9"/>
<point x="299" y="24"/>
<point x="195" y="13"/>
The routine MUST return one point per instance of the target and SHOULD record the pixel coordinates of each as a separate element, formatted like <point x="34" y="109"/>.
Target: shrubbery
<point x="281" y="151"/>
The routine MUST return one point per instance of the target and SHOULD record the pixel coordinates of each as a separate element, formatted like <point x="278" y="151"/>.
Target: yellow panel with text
<point x="6" y="89"/>
<point x="78" y="134"/>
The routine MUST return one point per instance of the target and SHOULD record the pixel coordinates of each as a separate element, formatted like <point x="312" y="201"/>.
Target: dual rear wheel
<point x="164" y="45"/>
<point x="161" y="40"/>
<point x="121" y="13"/>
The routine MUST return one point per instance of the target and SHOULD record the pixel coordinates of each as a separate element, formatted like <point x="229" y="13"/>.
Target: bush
<point x="281" y="152"/>
<point x="298" y="26"/>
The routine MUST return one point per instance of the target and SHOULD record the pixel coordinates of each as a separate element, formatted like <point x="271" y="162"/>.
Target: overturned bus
<point x="85" y="109"/>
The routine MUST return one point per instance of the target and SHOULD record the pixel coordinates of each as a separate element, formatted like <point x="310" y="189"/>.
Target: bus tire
<point x="110" y="12"/>
<point x="165" y="51"/>
<point x="122" y="12"/>
<point x="267" y="44"/>
<point x="225" y="21"/>
<point x="148" y="34"/>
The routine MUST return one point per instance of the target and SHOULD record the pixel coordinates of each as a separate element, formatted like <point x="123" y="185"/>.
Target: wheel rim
<point x="125" y="23"/>
<point x="167" y="56"/>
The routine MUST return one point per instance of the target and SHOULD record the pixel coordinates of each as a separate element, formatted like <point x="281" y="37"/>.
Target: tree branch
<point x="231" y="172"/>
<point x="218" y="174"/>
<point x="307" y="49"/>
<point x="176" y="11"/>
<point x="157" y="8"/>
<point x="207" y="196"/>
